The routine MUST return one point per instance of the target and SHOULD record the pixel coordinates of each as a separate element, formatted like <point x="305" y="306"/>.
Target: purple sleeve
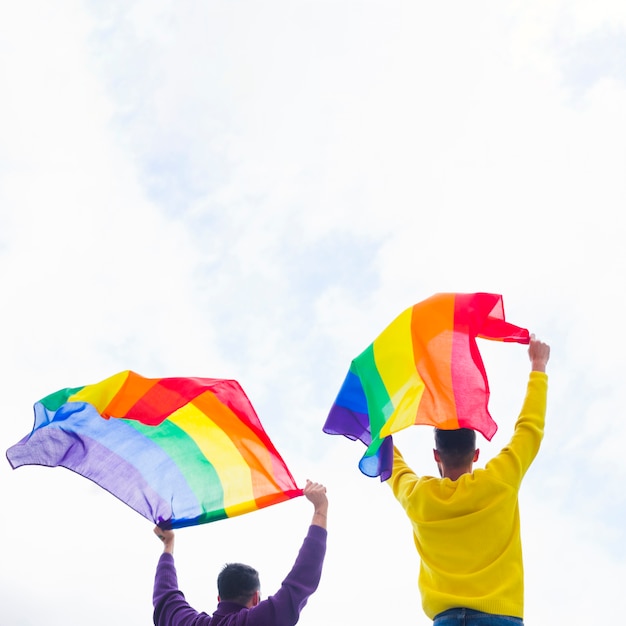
<point x="283" y="608"/>
<point x="170" y="606"/>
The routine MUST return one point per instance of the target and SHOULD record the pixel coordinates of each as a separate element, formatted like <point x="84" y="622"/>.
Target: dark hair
<point x="237" y="583"/>
<point x="456" y="447"/>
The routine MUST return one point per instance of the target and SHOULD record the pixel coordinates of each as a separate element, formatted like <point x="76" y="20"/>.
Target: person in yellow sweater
<point x="466" y="524"/>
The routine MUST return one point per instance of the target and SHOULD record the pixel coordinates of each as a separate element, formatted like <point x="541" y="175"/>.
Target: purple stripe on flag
<point x="78" y="438"/>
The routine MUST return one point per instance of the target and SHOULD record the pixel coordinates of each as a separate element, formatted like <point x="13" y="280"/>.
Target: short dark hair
<point x="456" y="447"/>
<point x="237" y="583"/>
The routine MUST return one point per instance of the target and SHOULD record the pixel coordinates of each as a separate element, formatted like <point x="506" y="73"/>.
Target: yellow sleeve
<point x="514" y="460"/>
<point x="403" y="479"/>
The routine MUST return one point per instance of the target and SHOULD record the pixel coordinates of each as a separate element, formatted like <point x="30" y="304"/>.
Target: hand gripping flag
<point x="425" y="368"/>
<point x="179" y="451"/>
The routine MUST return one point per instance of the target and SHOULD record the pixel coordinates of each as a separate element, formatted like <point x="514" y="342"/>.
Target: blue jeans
<point x="469" y="617"/>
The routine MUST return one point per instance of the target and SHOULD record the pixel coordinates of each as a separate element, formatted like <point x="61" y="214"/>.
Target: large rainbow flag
<point x="424" y="368"/>
<point x="179" y="451"/>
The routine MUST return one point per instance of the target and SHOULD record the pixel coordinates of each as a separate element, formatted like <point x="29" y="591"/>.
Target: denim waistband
<point x="479" y="616"/>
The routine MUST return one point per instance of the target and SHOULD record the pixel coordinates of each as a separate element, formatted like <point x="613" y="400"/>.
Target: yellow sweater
<point x="467" y="532"/>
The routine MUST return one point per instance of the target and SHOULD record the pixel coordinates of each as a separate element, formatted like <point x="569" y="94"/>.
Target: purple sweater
<point x="281" y="609"/>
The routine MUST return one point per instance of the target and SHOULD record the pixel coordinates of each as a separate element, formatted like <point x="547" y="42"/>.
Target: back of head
<point x="237" y="583"/>
<point x="456" y="447"/>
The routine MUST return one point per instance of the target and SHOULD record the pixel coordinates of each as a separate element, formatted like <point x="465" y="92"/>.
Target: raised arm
<point x="514" y="460"/>
<point x="283" y="608"/>
<point x="316" y="494"/>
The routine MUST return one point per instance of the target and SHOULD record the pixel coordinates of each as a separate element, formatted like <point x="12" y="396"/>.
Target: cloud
<point x="255" y="190"/>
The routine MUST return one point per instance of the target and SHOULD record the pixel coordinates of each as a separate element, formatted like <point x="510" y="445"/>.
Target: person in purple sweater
<point x="238" y="586"/>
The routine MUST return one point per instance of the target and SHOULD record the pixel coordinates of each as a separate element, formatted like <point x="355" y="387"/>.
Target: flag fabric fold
<point x="179" y="451"/>
<point x="424" y="368"/>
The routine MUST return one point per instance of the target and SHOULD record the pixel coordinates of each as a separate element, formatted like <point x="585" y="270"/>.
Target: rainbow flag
<point x="425" y="368"/>
<point x="179" y="451"/>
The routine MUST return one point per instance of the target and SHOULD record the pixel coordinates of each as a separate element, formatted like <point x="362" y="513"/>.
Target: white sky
<point x="253" y="190"/>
